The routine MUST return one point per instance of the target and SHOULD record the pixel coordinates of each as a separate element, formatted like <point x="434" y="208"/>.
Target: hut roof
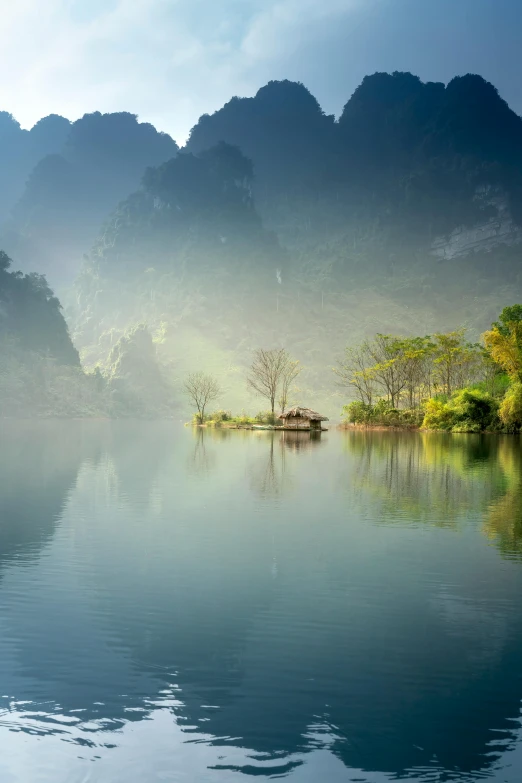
<point x="303" y="413"/>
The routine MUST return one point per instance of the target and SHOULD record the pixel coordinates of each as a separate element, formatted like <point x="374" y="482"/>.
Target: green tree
<point x="457" y="362"/>
<point x="387" y="353"/>
<point x="417" y="364"/>
<point x="468" y="410"/>
<point x="511" y="407"/>
<point x="504" y="341"/>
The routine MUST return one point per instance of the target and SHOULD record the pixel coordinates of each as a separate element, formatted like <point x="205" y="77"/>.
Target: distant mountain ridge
<point x="20" y="151"/>
<point x="277" y="224"/>
<point x="91" y="165"/>
<point x="404" y="151"/>
<point x="414" y="156"/>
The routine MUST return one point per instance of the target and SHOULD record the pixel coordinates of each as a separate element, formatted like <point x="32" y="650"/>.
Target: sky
<point x="169" y="61"/>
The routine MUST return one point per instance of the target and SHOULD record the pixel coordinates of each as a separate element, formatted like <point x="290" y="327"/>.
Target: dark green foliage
<point x="509" y="315"/>
<point x="40" y="373"/>
<point x="31" y="315"/>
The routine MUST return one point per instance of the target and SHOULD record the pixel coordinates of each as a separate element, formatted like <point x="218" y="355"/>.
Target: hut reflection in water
<point x="301" y="439"/>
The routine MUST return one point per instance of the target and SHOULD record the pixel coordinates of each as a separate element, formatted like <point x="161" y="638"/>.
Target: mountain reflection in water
<point x="194" y="605"/>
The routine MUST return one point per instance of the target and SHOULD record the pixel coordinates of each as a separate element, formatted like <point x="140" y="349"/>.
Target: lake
<point x="180" y="605"/>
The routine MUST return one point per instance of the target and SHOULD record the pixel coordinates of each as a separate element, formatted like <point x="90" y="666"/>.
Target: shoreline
<point x="395" y="428"/>
<point x="255" y="427"/>
<point x="383" y="428"/>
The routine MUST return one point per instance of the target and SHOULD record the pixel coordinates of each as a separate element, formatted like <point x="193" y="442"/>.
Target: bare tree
<point x="268" y="371"/>
<point x="288" y="376"/>
<point x="353" y="371"/>
<point x="202" y="389"/>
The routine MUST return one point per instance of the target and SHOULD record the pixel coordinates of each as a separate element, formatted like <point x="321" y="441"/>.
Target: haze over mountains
<point x="275" y="225"/>
<point x="67" y="180"/>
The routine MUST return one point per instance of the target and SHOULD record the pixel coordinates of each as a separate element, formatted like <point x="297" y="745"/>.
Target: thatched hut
<point x="302" y="419"/>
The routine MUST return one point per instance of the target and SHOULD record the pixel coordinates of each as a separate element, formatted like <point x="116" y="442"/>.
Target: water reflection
<point x="39" y="464"/>
<point x="301" y="441"/>
<point x="440" y="479"/>
<point x="268" y="475"/>
<point x="503" y="522"/>
<point x="271" y="473"/>
<point x="201" y="458"/>
<point x="184" y="618"/>
<point x="428" y="477"/>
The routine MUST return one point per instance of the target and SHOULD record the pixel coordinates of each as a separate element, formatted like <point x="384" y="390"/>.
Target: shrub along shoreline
<point x="438" y="383"/>
<point x="227" y="420"/>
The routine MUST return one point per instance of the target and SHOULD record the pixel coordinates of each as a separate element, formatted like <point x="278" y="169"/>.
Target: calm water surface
<point x="207" y="606"/>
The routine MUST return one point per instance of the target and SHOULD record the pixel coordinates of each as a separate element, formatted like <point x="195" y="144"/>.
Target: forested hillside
<point x="79" y="178"/>
<point x="278" y="225"/>
<point x="34" y="342"/>
<point x="31" y="315"/>
<point x="40" y="370"/>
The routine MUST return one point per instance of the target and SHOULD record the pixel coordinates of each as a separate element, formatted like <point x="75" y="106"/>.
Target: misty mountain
<point x="72" y="189"/>
<point x="409" y="168"/>
<point x="173" y="255"/>
<point x="279" y="225"/>
<point x="40" y="371"/>
<point x="283" y="130"/>
<point x="410" y="155"/>
<point x="20" y="151"/>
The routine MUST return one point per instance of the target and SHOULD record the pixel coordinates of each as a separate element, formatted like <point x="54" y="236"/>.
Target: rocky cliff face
<point x="497" y="228"/>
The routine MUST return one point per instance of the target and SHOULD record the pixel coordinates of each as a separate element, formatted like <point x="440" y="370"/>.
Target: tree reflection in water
<point x="270" y="474"/>
<point x="503" y="523"/>
<point x="426" y="477"/>
<point x="201" y="459"/>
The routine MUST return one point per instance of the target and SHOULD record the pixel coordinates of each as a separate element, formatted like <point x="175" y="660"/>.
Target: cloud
<point x="285" y="25"/>
<point x="167" y="60"/>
